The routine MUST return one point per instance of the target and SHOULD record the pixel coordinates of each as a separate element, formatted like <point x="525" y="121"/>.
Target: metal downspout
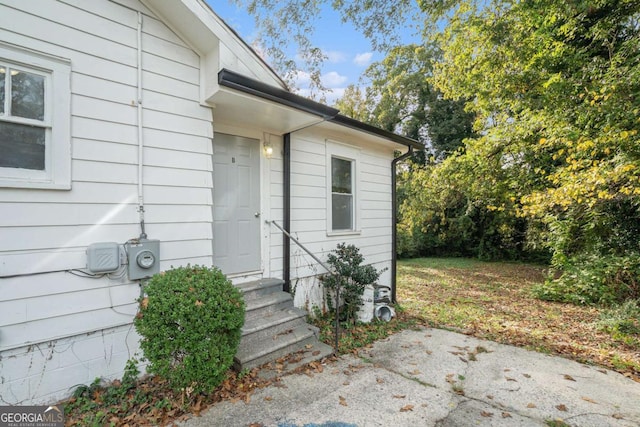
<point x="286" y="216"/>
<point x="394" y="220"/>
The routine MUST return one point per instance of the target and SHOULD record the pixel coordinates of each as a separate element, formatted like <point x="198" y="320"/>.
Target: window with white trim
<point x="342" y="200"/>
<point x="342" y="194"/>
<point x="35" y="146"/>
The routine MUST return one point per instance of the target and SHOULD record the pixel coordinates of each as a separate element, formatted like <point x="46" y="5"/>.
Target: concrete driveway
<point x="432" y="377"/>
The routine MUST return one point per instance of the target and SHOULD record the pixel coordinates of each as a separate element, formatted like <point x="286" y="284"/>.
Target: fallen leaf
<point x="199" y="303"/>
<point x="561" y="407"/>
<point x="486" y="414"/>
<point x="308" y="346"/>
<point x="343" y="401"/>
<point x="531" y="405"/>
<point x="511" y="379"/>
<point x="268" y="398"/>
<point x="586" y="399"/>
<point x="406" y="408"/>
<point x="568" y="377"/>
<point x="506" y="415"/>
<point x="379" y="380"/>
<point x="399" y="396"/>
<point x="415" y="372"/>
<point x="346" y="383"/>
<point x="617" y="416"/>
<point x="315" y="353"/>
<point x="489" y="396"/>
<point x="526" y="375"/>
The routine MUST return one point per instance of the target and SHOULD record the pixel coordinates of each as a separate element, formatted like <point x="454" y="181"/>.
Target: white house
<point x="125" y="118"/>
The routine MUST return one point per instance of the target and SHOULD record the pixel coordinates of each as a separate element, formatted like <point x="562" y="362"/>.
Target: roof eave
<point x="232" y="80"/>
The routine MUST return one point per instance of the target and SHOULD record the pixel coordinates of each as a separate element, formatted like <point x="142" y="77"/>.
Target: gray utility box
<point x="103" y="257"/>
<point x="144" y="258"/>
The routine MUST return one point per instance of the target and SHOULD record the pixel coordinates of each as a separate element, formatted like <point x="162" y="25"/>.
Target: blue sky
<point x="348" y="52"/>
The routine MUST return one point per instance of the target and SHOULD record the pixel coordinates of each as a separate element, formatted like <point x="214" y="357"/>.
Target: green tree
<point x="555" y="86"/>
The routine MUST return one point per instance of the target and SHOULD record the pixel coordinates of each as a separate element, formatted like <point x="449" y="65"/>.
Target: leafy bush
<point x="350" y="276"/>
<point x="594" y="279"/>
<point x="190" y="322"/>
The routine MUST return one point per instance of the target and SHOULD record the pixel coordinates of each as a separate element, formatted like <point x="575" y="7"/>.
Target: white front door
<point x="236" y="203"/>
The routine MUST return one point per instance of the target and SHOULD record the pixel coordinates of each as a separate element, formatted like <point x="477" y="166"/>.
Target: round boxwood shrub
<point x="190" y="321"/>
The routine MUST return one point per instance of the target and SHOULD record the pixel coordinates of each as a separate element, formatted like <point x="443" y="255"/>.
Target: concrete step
<point x="310" y="353"/>
<point x="259" y="288"/>
<point x="266" y="305"/>
<point x="272" y="324"/>
<point x="270" y="348"/>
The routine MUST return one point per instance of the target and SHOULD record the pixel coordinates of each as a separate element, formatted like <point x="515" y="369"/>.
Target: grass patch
<point x="493" y="300"/>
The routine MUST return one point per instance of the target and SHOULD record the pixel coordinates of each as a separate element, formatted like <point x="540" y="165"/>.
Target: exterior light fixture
<point x="268" y="150"/>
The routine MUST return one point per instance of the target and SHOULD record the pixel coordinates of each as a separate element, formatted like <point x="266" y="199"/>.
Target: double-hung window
<point x="342" y="197"/>
<point x="342" y="207"/>
<point x="34" y="120"/>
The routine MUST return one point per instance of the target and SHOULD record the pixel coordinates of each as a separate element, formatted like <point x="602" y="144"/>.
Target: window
<point x="34" y="120"/>
<point x="341" y="194"/>
<point x="342" y="200"/>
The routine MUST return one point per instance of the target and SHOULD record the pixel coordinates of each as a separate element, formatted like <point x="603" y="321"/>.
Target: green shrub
<point x="351" y="277"/>
<point x="594" y="279"/>
<point x="190" y="322"/>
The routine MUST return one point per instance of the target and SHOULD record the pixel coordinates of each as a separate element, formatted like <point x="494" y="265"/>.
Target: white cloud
<point x="335" y="56"/>
<point x="301" y="79"/>
<point x="333" y="79"/>
<point x="363" y="59"/>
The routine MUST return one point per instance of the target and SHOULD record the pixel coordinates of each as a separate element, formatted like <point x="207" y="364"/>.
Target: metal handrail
<point x="326" y="267"/>
<point x="297" y="242"/>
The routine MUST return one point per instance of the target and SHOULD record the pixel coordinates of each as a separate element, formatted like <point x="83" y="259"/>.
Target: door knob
<point x="257" y="214"/>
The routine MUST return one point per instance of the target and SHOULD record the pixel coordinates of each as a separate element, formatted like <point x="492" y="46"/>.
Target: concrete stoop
<point x="273" y="327"/>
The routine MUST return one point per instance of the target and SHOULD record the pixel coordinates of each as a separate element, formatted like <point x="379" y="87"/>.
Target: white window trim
<point x="351" y="153"/>
<point x="57" y="120"/>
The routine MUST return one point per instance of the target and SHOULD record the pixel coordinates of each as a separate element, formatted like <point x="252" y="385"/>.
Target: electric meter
<point x="144" y="258"/>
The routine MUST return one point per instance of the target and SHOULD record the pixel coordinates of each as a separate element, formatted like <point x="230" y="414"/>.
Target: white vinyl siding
<point x="47" y="232"/>
<point x="310" y="191"/>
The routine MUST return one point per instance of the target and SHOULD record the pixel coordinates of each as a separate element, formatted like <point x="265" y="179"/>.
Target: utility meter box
<point x="103" y="257"/>
<point x="144" y="258"/>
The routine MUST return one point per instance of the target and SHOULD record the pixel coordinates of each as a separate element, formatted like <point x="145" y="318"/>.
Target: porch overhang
<point x="241" y="100"/>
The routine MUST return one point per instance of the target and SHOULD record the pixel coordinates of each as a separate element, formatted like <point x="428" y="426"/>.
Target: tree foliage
<point x="555" y="86"/>
<point x="286" y="27"/>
